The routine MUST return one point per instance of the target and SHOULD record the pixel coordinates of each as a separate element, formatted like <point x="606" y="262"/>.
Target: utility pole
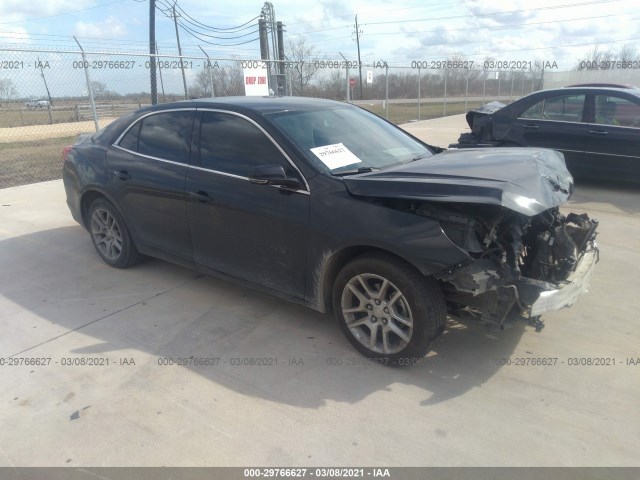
<point x="152" y="51"/>
<point x="184" y="78"/>
<point x="358" y="32"/>
<point x="268" y="14"/>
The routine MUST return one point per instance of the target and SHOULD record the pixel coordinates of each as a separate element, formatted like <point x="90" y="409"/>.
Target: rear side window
<point x="162" y="135"/>
<point x="231" y="144"/>
<point x="612" y="110"/>
<point x="130" y="140"/>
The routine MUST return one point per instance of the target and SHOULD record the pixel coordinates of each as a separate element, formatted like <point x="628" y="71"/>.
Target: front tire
<point x="110" y="235"/>
<point x="388" y="310"/>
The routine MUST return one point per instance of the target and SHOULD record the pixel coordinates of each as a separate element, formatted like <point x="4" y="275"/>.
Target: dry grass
<point x="22" y="163"/>
<point x="400" y="113"/>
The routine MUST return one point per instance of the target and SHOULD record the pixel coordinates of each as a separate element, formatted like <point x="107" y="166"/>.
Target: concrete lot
<point x="321" y="404"/>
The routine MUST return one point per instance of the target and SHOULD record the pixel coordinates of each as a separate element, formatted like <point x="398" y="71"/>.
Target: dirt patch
<point x="57" y="130"/>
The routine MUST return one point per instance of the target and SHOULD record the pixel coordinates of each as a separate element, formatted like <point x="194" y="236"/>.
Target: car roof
<point x="605" y="85"/>
<point x="257" y="104"/>
<point x="586" y="90"/>
<point x="594" y="89"/>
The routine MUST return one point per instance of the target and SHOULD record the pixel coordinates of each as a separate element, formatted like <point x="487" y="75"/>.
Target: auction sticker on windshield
<point x="335" y="156"/>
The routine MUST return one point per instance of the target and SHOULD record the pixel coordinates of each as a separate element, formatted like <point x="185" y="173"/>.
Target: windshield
<point x="345" y="139"/>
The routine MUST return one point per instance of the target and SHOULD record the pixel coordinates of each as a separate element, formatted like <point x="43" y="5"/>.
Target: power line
<point x="218" y="37"/>
<point x="197" y="24"/>
<point x="242" y="26"/>
<point x="197" y="36"/>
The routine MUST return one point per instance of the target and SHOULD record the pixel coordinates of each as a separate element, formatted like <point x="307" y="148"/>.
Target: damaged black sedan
<point x="325" y="204"/>
<point x="597" y="129"/>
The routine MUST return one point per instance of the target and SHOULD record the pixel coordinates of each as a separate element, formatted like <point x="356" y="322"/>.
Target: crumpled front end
<point x="522" y="266"/>
<point x="479" y="121"/>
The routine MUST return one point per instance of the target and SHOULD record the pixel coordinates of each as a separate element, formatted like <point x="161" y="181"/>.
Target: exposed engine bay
<point x="513" y="257"/>
<point x="516" y="259"/>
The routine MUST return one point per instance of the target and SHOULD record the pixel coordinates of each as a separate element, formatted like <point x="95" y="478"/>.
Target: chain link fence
<point x="48" y="97"/>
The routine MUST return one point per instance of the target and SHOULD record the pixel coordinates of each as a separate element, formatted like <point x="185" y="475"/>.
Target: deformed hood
<point x="525" y="180"/>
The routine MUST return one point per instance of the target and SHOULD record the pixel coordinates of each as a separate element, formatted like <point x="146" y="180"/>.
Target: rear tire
<point x="388" y="310"/>
<point x="110" y="235"/>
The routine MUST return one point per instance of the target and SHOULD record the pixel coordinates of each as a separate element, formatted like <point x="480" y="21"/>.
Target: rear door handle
<point x="599" y="132"/>
<point x="202" y="196"/>
<point x="530" y="127"/>
<point x="122" y="174"/>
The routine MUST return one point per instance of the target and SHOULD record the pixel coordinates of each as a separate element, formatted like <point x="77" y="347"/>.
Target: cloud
<point x="516" y="11"/>
<point x="34" y="9"/>
<point x="111" y="27"/>
<point x="335" y="8"/>
<point x="444" y="36"/>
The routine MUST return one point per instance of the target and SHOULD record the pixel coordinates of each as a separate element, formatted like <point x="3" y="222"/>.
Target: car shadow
<point x="56" y="287"/>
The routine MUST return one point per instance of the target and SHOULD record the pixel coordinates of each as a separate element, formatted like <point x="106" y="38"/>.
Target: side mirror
<point x="272" y="175"/>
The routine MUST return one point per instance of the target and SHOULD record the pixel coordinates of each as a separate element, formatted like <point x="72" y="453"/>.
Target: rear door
<point x="147" y="171"/>
<point x="254" y="232"/>
<point x="613" y="146"/>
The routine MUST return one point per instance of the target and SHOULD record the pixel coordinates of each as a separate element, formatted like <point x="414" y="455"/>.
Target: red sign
<point x="352" y="82"/>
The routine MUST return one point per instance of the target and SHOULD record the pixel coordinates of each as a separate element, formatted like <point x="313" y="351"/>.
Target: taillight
<point x="65" y="152"/>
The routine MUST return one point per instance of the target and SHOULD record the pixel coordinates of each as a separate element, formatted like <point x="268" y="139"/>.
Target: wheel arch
<point x="332" y="266"/>
<point x="88" y="196"/>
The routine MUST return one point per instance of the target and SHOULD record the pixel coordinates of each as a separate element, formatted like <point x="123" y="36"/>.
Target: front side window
<point x="612" y="110"/>
<point x="232" y="144"/>
<point x="534" y="112"/>
<point x="163" y="135"/>
<point x="563" y="108"/>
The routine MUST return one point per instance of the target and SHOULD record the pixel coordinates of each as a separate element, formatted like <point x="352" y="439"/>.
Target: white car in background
<point x="37" y="104"/>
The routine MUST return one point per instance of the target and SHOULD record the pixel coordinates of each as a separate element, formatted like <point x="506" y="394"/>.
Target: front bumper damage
<point x="566" y="295"/>
<point x="498" y="299"/>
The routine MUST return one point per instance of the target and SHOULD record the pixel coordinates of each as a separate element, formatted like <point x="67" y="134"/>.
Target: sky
<point x="407" y="31"/>
<point x="558" y="33"/>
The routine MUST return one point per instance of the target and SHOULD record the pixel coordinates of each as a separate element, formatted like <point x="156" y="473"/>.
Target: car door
<point x="554" y="122"/>
<point x="254" y="232"/>
<point x="147" y="169"/>
<point x="613" y="146"/>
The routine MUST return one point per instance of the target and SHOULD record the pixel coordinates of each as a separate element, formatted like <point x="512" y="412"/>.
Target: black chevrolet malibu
<point x="325" y="204"/>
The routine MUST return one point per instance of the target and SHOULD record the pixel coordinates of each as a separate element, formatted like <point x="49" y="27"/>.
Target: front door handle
<point x="530" y="126"/>
<point x="202" y="196"/>
<point x="122" y="174"/>
<point x="602" y="133"/>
